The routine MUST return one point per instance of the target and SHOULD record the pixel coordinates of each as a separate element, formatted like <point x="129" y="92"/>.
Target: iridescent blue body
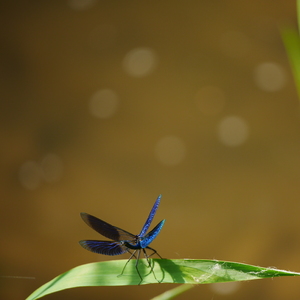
<point x="122" y="240"/>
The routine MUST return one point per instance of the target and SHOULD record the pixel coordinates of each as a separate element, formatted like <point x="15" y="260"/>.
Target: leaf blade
<point x="186" y="271"/>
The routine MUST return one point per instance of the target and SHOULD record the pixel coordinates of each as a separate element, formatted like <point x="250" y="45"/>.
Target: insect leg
<point x="154" y="252"/>
<point x="131" y="256"/>
<point x="151" y="266"/>
<point x="137" y="265"/>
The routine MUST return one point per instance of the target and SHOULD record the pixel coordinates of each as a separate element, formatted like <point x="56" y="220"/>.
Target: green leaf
<point x="291" y="41"/>
<point x="170" y="294"/>
<point x="189" y="271"/>
<point x="298" y="13"/>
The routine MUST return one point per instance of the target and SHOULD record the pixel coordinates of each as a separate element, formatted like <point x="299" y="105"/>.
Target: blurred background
<point x="107" y="104"/>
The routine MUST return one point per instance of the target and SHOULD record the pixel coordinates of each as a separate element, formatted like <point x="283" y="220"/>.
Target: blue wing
<point x="147" y="240"/>
<point x="107" y="230"/>
<point x="103" y="247"/>
<point x="150" y="217"/>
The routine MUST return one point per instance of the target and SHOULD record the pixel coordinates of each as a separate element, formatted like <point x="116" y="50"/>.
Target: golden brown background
<point x="107" y="104"/>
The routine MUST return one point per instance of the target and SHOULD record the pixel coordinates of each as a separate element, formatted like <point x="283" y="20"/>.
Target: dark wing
<point x="103" y="247"/>
<point x="107" y="230"/>
<point x="147" y="240"/>
<point x="150" y="217"/>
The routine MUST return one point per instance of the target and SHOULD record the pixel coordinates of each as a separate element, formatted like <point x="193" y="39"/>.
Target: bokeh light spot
<point x="270" y="77"/>
<point x="225" y="288"/>
<point x="170" y="150"/>
<point x="30" y="175"/>
<point x="104" y="103"/>
<point x="233" y="131"/>
<point x="210" y="100"/>
<point x="140" y="62"/>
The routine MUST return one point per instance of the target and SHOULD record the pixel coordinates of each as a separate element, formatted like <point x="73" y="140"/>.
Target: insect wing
<point x="107" y="230"/>
<point x="150" y="217"/>
<point x="103" y="247"/>
<point x="148" y="239"/>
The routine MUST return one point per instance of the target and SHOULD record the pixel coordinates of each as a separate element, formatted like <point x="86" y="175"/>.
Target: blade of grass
<point x="298" y="13"/>
<point x="170" y="294"/>
<point x="190" y="271"/>
<point x="291" y="41"/>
